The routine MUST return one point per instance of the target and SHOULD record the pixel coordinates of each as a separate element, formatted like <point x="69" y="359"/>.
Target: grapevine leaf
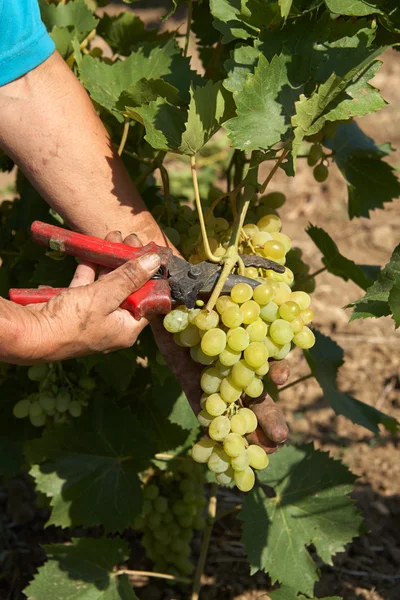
<point x="264" y="107"/>
<point x="163" y="122"/>
<point x="371" y="181"/>
<point x="336" y="263"/>
<point x="325" y="358"/>
<point x="241" y="62"/>
<point x="311" y="506"/>
<point x="105" y="83"/>
<point x="355" y="8"/>
<point x="378" y="301"/>
<point x="285" y="6"/>
<point x="146" y="91"/>
<point x="64" y="39"/>
<point x="89" y="468"/>
<point x="74" y="14"/>
<point x="230" y="21"/>
<point x="286" y="593"/>
<point x="125" y="31"/>
<point x="394" y="301"/>
<point x="84" y="570"/>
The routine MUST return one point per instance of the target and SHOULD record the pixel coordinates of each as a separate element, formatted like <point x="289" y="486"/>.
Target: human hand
<point x="87" y="318"/>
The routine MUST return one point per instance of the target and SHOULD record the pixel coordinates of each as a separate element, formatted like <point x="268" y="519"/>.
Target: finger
<point x="279" y="371"/>
<point x="85" y="274"/>
<point x="259" y="438"/>
<point x="115" y="287"/>
<point x="113" y="236"/>
<point x="269" y="417"/>
<point x="133" y="240"/>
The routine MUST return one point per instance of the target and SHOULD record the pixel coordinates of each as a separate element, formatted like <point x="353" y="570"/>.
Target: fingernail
<point x="150" y="261"/>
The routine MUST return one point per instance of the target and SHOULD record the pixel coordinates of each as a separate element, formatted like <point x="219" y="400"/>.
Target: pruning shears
<point x="177" y="281"/>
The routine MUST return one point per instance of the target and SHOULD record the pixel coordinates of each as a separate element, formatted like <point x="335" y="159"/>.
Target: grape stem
<point x="188" y="25"/>
<point x="210" y="256"/>
<point x="124" y="136"/>
<point x="158" y="160"/>
<point x="274" y="170"/>
<point x="153" y="574"/>
<point x="162" y="456"/>
<point x="167" y="197"/>
<point x="212" y="511"/>
<point x="312" y="275"/>
<point x="300" y="380"/>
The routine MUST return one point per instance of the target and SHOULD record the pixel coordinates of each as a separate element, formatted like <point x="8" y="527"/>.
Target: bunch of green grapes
<point x="172" y="510"/>
<point x="58" y="399"/>
<point x="235" y="343"/>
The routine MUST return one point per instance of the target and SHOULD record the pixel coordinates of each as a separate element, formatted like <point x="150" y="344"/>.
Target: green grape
<point x="257" y="330"/>
<point x="301" y="298"/>
<point x="297" y="324"/>
<point x="256" y="354"/>
<point x="242" y="374"/>
<point x="193" y="314"/>
<point x="210" y="381"/>
<point x="75" y="409"/>
<point x="229" y="357"/>
<point x="288" y="277"/>
<point x="176" y="321"/>
<point x="258" y="458"/>
<point x="38" y="372"/>
<point x="222" y="369"/>
<point x="38" y="420"/>
<point x="213" y="342"/>
<point x="177" y="340"/>
<point x="219" y="461"/>
<point x="172" y="235"/>
<point x="234" y="444"/>
<point x="241" y="292"/>
<point x="154" y="520"/>
<point x="151" y="491"/>
<point x="199" y="523"/>
<point x="269" y="312"/>
<point x="161" y="504"/>
<point x="179" y="509"/>
<point x="307" y="315"/>
<point x="190" y="499"/>
<point x="206" y="319"/>
<point x="35" y="410"/>
<point x="238" y="338"/>
<point x="250" y="229"/>
<point x="314" y="155"/>
<point x="215" y="406"/>
<point x="307" y="286"/>
<point x="167" y="517"/>
<point x="251" y="311"/>
<point x="232" y="316"/>
<point x="219" y="428"/>
<point x="289" y="310"/>
<point x="305" y="339"/>
<point x="226" y="477"/>
<point x="241" y="462"/>
<point x="283" y="239"/>
<point x="245" y="479"/>
<point x="179" y="546"/>
<point x="190" y="336"/>
<point x="269" y="223"/>
<point x="162" y="536"/>
<point x="272" y="347"/>
<point x="203" y="359"/>
<point x="229" y="392"/>
<point x="203" y="400"/>
<point x="223" y="303"/>
<point x="320" y="173"/>
<point x="238" y="424"/>
<point x="251" y="420"/>
<point x="281" y="332"/>
<point x="273" y="199"/>
<point x="263" y="370"/>
<point x="263" y="294"/>
<point x="184" y="565"/>
<point x="274" y="250"/>
<point x="147" y="507"/>
<point x="221" y="224"/>
<point x="187" y="485"/>
<point x="63" y="399"/>
<point x="21" y="409"/>
<point x="260" y="238"/>
<point x="204" y="418"/>
<point x="282" y="293"/>
<point x="87" y="383"/>
<point x="193" y="354"/>
<point x="255" y="388"/>
<point x="251" y="272"/>
<point x="283" y="352"/>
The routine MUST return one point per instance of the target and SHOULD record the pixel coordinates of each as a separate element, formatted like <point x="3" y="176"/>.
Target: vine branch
<point x="207" y="249"/>
<point x="188" y="25"/>
<point x="289" y="385"/>
<point x="153" y="574"/>
<point x="124" y="136"/>
<point x="212" y="511"/>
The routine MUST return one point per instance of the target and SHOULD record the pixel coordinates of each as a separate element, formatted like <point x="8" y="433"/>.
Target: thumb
<point x="115" y="287"/>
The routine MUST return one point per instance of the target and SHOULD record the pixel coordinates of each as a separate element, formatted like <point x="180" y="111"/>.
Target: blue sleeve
<point x="24" y="41"/>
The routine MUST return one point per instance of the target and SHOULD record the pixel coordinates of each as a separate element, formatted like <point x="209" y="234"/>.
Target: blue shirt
<point x="24" y="41"/>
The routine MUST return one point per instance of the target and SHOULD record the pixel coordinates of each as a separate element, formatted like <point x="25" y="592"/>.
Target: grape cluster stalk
<point x="172" y="511"/>
<point x="235" y="342"/>
<point x="59" y="397"/>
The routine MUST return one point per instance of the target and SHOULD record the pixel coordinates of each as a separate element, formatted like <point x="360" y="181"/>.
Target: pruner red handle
<point x="152" y="298"/>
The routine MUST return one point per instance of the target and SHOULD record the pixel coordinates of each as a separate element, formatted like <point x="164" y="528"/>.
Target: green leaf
<point x="85" y="570"/>
<point x="242" y="61"/>
<point x="285" y="6"/>
<point x="146" y="91"/>
<point x="125" y="31"/>
<point x="64" y="39"/>
<point x="394" y="301"/>
<point x="336" y="263"/>
<point x="74" y="14"/>
<point x="286" y="593"/>
<point x="371" y="181"/>
<point x="264" y="107"/>
<point x="163" y="122"/>
<point x="230" y="21"/>
<point x="311" y="506"/>
<point x="325" y="358"/>
<point x="106" y="83"/>
<point x="378" y="301"/>
<point x="89" y="468"/>
<point x="354" y="8"/>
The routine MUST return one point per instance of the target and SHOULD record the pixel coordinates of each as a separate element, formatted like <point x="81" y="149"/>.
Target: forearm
<point x="49" y="127"/>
